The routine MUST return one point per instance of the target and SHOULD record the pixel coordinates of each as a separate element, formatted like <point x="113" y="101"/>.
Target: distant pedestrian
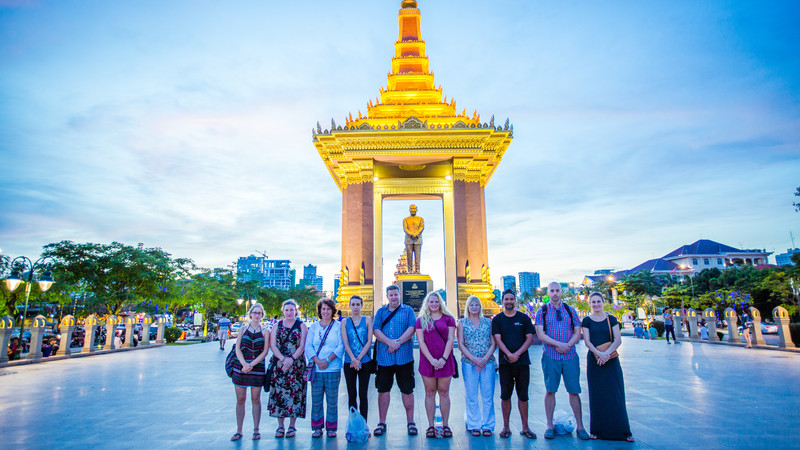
<point x="653" y="332"/>
<point x="13" y="349"/>
<point x="287" y="396"/>
<point x="513" y="334"/>
<point x="436" y="333"/>
<point x="252" y="347"/>
<point x="477" y="368"/>
<point x="747" y="325"/>
<point x="638" y="331"/>
<point x="559" y="330"/>
<point x="393" y="328"/>
<point x="608" y="413"/>
<point x="224" y="324"/>
<point x="357" y="337"/>
<point x="704" y="332"/>
<point x="669" y="326"/>
<point x="325" y="348"/>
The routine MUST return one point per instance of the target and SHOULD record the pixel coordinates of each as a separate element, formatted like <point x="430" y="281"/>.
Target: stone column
<point x="781" y="317"/>
<point x="130" y="321"/>
<point x="755" y="336"/>
<point x="66" y="327"/>
<point x="693" y="317"/>
<point x="733" y="322"/>
<point x="6" y="328"/>
<point x="38" y="326"/>
<point x="146" y="321"/>
<point x="90" y="329"/>
<point x="710" y="317"/>
<point x="677" y="321"/>
<point x="162" y="321"/>
<point x="111" y="331"/>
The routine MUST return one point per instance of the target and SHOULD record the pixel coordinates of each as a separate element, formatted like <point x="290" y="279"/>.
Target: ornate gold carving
<point x="395" y="186"/>
<point x="412" y="168"/>
<point x="484" y="291"/>
<point x="365" y="291"/>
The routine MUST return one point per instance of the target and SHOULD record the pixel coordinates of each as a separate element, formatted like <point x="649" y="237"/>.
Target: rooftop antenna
<point x="262" y="253"/>
<point x="792" y="237"/>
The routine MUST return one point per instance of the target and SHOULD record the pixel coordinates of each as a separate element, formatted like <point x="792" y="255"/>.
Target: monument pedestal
<point x="413" y="288"/>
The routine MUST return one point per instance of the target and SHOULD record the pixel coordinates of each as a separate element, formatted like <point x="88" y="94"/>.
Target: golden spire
<point x="410" y="90"/>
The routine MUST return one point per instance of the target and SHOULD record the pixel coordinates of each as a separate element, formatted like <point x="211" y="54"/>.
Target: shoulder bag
<point x="455" y="375"/>
<point x="604" y="346"/>
<point x="311" y="369"/>
<point x="375" y="346"/>
<point x="229" y="361"/>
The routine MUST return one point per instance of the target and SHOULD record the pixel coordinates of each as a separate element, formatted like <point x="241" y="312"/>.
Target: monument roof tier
<point x="411" y="120"/>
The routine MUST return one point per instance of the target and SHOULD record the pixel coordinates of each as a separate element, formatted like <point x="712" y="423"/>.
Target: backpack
<point x="544" y="317"/>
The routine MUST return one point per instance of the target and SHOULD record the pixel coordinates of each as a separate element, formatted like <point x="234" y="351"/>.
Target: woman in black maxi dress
<point x="608" y="413"/>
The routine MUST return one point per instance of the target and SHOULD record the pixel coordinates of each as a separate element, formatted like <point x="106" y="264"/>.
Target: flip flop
<point x="487" y="433"/>
<point x="528" y="434"/>
<point x="236" y="436"/>
<point x="290" y="432"/>
<point x="505" y="434"/>
<point x="584" y="435"/>
<point x="256" y="435"/>
<point x="279" y="433"/>
<point x="475" y="433"/>
<point x="549" y="434"/>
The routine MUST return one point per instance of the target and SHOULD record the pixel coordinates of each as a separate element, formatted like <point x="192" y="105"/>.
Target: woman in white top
<point x="324" y="347"/>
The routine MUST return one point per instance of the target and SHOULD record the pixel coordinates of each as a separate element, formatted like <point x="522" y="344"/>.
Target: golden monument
<point x="413" y="226"/>
<point x="413" y="144"/>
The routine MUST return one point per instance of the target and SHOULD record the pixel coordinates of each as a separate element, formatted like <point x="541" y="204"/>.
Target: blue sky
<point x="639" y="126"/>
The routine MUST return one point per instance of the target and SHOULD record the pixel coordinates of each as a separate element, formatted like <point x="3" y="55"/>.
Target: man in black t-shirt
<point x="513" y="333"/>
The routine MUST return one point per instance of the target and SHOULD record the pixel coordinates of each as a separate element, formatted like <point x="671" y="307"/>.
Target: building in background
<point x="509" y="282"/>
<point x="310" y="278"/>
<point x="528" y="282"/>
<point x="690" y="259"/>
<point x="785" y="259"/>
<point x="270" y="273"/>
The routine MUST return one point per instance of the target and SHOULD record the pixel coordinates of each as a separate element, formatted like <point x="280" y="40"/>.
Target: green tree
<point x="797" y="204"/>
<point x="115" y="274"/>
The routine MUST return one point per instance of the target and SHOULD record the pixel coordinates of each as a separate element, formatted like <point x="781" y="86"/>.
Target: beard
<point x="508" y="306"/>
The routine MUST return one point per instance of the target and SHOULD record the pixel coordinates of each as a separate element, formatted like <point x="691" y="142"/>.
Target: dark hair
<point x="392" y="287"/>
<point x="329" y="303"/>
<point x="356" y="297"/>
<point x="595" y="293"/>
<point x="509" y="291"/>
<point x="224" y="314"/>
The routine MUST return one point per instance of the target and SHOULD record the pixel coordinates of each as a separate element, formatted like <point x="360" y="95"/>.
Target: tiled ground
<point x="689" y="395"/>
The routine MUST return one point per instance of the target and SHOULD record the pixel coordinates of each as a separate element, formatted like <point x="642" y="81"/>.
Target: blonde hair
<point x="254" y="306"/>
<point x="425" y="319"/>
<point x="289" y="301"/>
<point x="471" y="299"/>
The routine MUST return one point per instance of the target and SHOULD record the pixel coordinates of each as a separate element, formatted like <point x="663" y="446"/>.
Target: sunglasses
<point x="558" y="315"/>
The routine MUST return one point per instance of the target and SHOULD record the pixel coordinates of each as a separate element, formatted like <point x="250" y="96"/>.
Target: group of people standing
<point x="331" y="347"/>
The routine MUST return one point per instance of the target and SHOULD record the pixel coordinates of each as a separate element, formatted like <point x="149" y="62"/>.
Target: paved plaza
<point x="689" y="395"/>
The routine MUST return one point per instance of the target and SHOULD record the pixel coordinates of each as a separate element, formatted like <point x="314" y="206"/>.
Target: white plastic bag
<point x="563" y="422"/>
<point x="357" y="430"/>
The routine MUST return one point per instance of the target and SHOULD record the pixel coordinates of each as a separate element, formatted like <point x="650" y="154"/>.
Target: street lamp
<point x="612" y="289"/>
<point x="14" y="280"/>
<point x="691" y="282"/>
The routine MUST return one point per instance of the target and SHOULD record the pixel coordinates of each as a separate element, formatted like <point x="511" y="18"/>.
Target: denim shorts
<point x="554" y="369"/>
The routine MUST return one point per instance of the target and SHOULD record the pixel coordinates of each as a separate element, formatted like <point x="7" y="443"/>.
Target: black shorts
<point x="404" y="375"/>
<point x="511" y="376"/>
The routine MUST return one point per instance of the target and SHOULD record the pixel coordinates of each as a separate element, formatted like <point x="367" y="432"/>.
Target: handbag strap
<point x="355" y="330"/>
<point x="439" y="332"/>
<point x="386" y="320"/>
<point x="610" y="334"/>
<point x="324" y="337"/>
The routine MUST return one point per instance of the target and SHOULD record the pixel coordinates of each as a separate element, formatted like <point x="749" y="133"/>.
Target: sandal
<point x="630" y="439"/>
<point x="475" y="433"/>
<point x="331" y="433"/>
<point x="380" y="429"/>
<point x="412" y="429"/>
<point x="585" y="436"/>
<point x="290" y="432"/>
<point x="430" y="432"/>
<point x="317" y="433"/>
<point x="447" y="432"/>
<point x="279" y="433"/>
<point x="549" y="434"/>
<point x="236" y="436"/>
<point x="256" y="435"/>
<point x="487" y="433"/>
<point x="528" y="434"/>
<point x="505" y="434"/>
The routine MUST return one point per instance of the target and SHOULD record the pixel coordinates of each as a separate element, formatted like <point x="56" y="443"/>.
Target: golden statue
<point x="413" y="226"/>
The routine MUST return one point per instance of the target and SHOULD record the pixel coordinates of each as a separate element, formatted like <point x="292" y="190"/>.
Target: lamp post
<point x="18" y="271"/>
<point x="691" y="283"/>
<point x="612" y="289"/>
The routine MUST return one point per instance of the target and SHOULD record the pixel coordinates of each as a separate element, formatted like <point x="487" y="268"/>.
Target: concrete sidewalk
<point x="679" y="396"/>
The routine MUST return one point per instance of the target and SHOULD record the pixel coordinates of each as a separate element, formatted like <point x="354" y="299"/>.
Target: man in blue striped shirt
<point x="559" y="329"/>
<point x="393" y="328"/>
